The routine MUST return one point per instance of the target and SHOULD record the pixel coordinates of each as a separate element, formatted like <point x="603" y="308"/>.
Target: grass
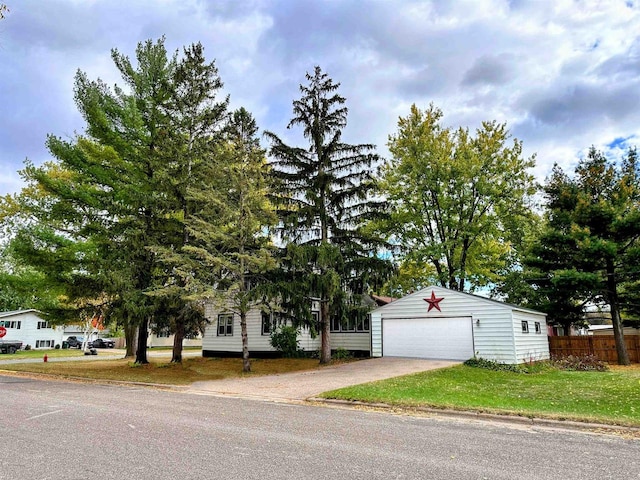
<point x="609" y="397"/>
<point x="161" y="371"/>
<point x="52" y="353"/>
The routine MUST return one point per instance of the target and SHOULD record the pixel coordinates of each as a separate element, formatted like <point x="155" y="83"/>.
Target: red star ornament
<point x="433" y="302"/>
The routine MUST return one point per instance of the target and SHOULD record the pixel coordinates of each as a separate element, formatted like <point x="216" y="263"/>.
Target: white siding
<point x="493" y="323"/>
<point x="530" y="346"/>
<point x="261" y="343"/>
<point x="29" y="333"/>
<point x="155" y="341"/>
<point x="354" y="341"/>
<point x="257" y="341"/>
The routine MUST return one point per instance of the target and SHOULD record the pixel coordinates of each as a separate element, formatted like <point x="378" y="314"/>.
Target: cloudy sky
<point x="562" y="74"/>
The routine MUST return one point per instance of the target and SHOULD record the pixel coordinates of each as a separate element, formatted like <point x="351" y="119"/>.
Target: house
<point x="445" y="324"/>
<point x="222" y="335"/>
<point x="433" y="323"/>
<point x="599" y="330"/>
<point x="165" y="339"/>
<point x="27" y="326"/>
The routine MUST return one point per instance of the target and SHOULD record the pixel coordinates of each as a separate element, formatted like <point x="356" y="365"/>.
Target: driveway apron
<point x="299" y="386"/>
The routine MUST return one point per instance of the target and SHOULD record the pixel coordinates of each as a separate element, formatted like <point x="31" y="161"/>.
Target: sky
<point x="562" y="74"/>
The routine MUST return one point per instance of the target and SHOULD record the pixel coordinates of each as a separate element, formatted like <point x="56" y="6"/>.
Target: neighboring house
<point x="445" y="324"/>
<point x="222" y="336"/>
<point x="608" y="330"/>
<point x="79" y="331"/>
<point x="27" y="327"/>
<point x="165" y="339"/>
<point x="558" y="331"/>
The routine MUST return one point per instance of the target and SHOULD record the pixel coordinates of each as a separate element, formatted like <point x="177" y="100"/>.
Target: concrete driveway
<point x="302" y="385"/>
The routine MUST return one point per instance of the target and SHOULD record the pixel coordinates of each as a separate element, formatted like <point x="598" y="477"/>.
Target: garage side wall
<point x="534" y="344"/>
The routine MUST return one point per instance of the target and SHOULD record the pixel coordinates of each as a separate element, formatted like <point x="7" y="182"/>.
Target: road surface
<point x="63" y="430"/>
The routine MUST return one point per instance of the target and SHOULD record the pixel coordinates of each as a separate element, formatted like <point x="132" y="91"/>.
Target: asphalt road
<point x="63" y="430"/>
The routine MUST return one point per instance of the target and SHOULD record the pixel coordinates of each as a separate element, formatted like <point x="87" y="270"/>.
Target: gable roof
<point x="16" y="312"/>
<point x="426" y="290"/>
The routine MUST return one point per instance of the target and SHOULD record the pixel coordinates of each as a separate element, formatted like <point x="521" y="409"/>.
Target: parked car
<point x="75" y="342"/>
<point x="10" y="346"/>
<point x="103" y="343"/>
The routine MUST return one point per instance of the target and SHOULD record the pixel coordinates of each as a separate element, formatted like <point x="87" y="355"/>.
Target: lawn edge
<point x="530" y="420"/>
<point x="65" y="378"/>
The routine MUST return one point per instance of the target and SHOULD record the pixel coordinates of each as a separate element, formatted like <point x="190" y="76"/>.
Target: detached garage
<point x="446" y="324"/>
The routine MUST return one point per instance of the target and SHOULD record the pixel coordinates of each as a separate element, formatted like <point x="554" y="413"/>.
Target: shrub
<point x="57" y="347"/>
<point x="491" y="365"/>
<point x="530" y="367"/>
<point x="341" y="354"/>
<point x="583" y="363"/>
<point x="285" y="340"/>
<point x="27" y="347"/>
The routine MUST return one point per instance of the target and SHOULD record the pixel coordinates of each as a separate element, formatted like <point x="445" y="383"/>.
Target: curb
<point x="477" y="415"/>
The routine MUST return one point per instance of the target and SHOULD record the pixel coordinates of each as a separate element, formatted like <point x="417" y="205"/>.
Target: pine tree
<point x="109" y="195"/>
<point x="231" y="224"/>
<point x="188" y="147"/>
<point x="325" y="197"/>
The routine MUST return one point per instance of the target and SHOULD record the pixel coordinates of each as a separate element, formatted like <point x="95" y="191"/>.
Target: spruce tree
<point x="325" y="197"/>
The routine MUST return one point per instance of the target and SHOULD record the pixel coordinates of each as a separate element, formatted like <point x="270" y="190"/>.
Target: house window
<point x="267" y="326"/>
<point x="271" y="321"/>
<point x="351" y="324"/>
<point x="44" y="343"/>
<point x="525" y="326"/>
<point x="11" y="324"/>
<point x="315" y="319"/>
<point x="225" y="324"/>
<point x="362" y="325"/>
<point x="538" y="327"/>
<point x="43" y="325"/>
<point x="164" y="333"/>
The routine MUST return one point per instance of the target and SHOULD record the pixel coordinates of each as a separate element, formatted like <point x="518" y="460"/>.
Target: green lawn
<point x="610" y="397"/>
<point x="70" y="352"/>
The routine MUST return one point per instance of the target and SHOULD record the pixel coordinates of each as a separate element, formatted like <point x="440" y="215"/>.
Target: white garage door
<point x="443" y="338"/>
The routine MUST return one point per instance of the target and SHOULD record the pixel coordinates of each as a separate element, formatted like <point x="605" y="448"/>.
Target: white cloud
<point x="563" y="75"/>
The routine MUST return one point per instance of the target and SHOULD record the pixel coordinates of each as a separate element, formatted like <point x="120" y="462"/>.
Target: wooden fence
<point x="602" y="346"/>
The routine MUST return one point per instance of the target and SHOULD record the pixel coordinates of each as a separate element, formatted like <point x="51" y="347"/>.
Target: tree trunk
<point x="143" y="334"/>
<point x="618" y="333"/>
<point x="325" y="349"/>
<point x="246" y="364"/>
<point x="178" y="337"/>
<point x="130" y="339"/>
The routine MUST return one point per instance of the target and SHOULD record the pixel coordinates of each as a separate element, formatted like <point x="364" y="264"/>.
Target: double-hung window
<point x="225" y="324"/>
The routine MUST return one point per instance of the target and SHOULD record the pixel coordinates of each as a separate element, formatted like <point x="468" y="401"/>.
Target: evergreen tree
<point x="593" y="238"/>
<point x="232" y="224"/>
<point x="111" y="200"/>
<point x="325" y="197"/>
<point x="196" y="118"/>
